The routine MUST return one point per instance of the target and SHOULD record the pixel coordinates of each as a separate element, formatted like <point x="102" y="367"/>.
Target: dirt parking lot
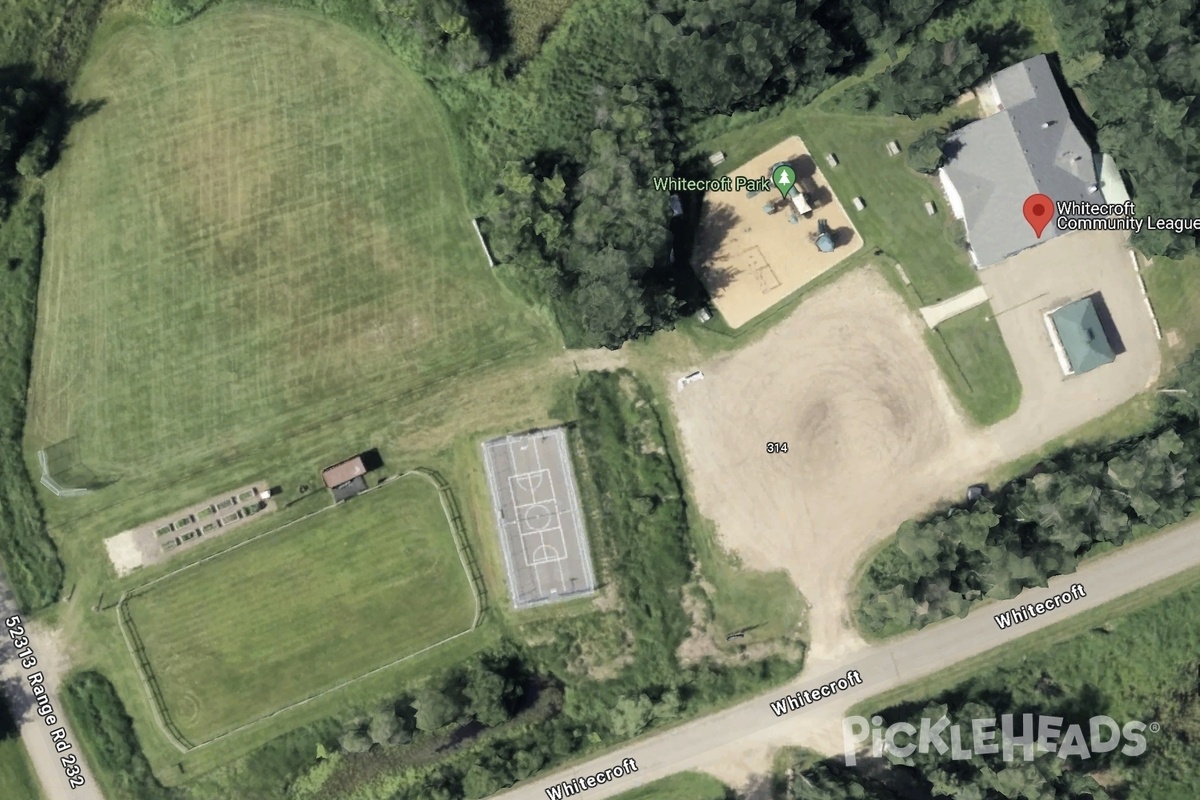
<point x="873" y="438"/>
<point x="1030" y="284"/>
<point x="750" y="260"/>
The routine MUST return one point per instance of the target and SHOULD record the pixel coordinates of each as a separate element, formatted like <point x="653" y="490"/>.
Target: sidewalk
<point x="938" y="313"/>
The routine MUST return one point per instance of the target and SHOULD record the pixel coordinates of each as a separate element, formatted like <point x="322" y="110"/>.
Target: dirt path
<point x="938" y="313"/>
<point x="594" y="360"/>
<point x="35" y="732"/>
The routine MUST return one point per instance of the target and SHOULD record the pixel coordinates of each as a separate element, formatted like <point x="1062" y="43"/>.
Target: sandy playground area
<point x="873" y="438"/>
<point x="748" y="259"/>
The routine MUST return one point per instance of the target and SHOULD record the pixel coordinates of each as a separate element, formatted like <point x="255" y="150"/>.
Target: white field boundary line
<point x="159" y="713"/>
<point x="558" y="518"/>
<point x="456" y="533"/>
<point x="515" y="478"/>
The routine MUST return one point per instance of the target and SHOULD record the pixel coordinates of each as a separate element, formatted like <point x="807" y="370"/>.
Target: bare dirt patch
<point x="873" y="438"/>
<point x="155" y="541"/>
<point x="750" y="260"/>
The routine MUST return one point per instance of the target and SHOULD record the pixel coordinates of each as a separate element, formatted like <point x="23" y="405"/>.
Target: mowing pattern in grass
<point x="303" y="609"/>
<point x="259" y="231"/>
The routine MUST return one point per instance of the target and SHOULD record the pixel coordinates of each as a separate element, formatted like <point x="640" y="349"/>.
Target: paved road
<point x="738" y="741"/>
<point x="14" y="683"/>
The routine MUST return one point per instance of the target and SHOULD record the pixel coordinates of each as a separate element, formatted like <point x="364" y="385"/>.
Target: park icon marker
<point x="784" y="178"/>
<point x="1039" y="210"/>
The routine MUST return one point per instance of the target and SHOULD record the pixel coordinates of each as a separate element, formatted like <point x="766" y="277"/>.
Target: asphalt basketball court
<point x="538" y="518"/>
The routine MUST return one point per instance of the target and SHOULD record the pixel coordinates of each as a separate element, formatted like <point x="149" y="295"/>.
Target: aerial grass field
<point x="683" y="786"/>
<point x="16" y="771"/>
<point x="304" y="608"/>
<point x="258" y="230"/>
<point x="977" y="365"/>
<point x="1174" y="287"/>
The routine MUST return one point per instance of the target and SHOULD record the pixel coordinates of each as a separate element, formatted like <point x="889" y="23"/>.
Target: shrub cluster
<point x="1038" y="526"/>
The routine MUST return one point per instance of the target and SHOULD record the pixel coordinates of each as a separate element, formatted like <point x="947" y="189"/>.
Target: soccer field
<point x="303" y="609"/>
<point x="259" y="231"/>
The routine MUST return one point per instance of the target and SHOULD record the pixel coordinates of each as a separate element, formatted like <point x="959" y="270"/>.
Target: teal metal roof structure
<point x="1082" y="335"/>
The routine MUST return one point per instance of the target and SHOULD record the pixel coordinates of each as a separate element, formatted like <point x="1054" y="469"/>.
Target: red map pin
<point x="1039" y="210"/>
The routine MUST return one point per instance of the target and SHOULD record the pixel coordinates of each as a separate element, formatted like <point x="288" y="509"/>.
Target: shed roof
<point x="349" y="489"/>
<point x="1030" y="146"/>
<point x="1082" y="336"/>
<point x="347" y="470"/>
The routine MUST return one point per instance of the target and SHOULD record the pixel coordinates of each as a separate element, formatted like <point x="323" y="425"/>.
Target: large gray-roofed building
<point x="1029" y="145"/>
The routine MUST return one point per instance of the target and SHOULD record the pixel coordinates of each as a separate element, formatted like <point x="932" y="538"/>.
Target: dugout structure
<point x="538" y="519"/>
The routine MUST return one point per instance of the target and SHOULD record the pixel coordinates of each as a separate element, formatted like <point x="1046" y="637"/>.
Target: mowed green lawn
<point x="929" y="248"/>
<point x="305" y="608"/>
<point x="1174" y="288"/>
<point x="259" y="231"/>
<point x="977" y="364"/>
<point x="17" y="778"/>
<point x="682" y="786"/>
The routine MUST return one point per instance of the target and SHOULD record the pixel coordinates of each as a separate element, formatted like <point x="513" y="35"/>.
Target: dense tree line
<point x="107" y="732"/>
<point x="1038" y="526"/>
<point x="873" y="27"/>
<point x="457" y="34"/>
<point x="1139" y="66"/>
<point x="753" y="52"/>
<point x="1138" y="665"/>
<point x="933" y="774"/>
<point x="35" y="115"/>
<point x="603" y="129"/>
<point x="932" y="75"/>
<point x="488" y="690"/>
<point x="582" y="242"/>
